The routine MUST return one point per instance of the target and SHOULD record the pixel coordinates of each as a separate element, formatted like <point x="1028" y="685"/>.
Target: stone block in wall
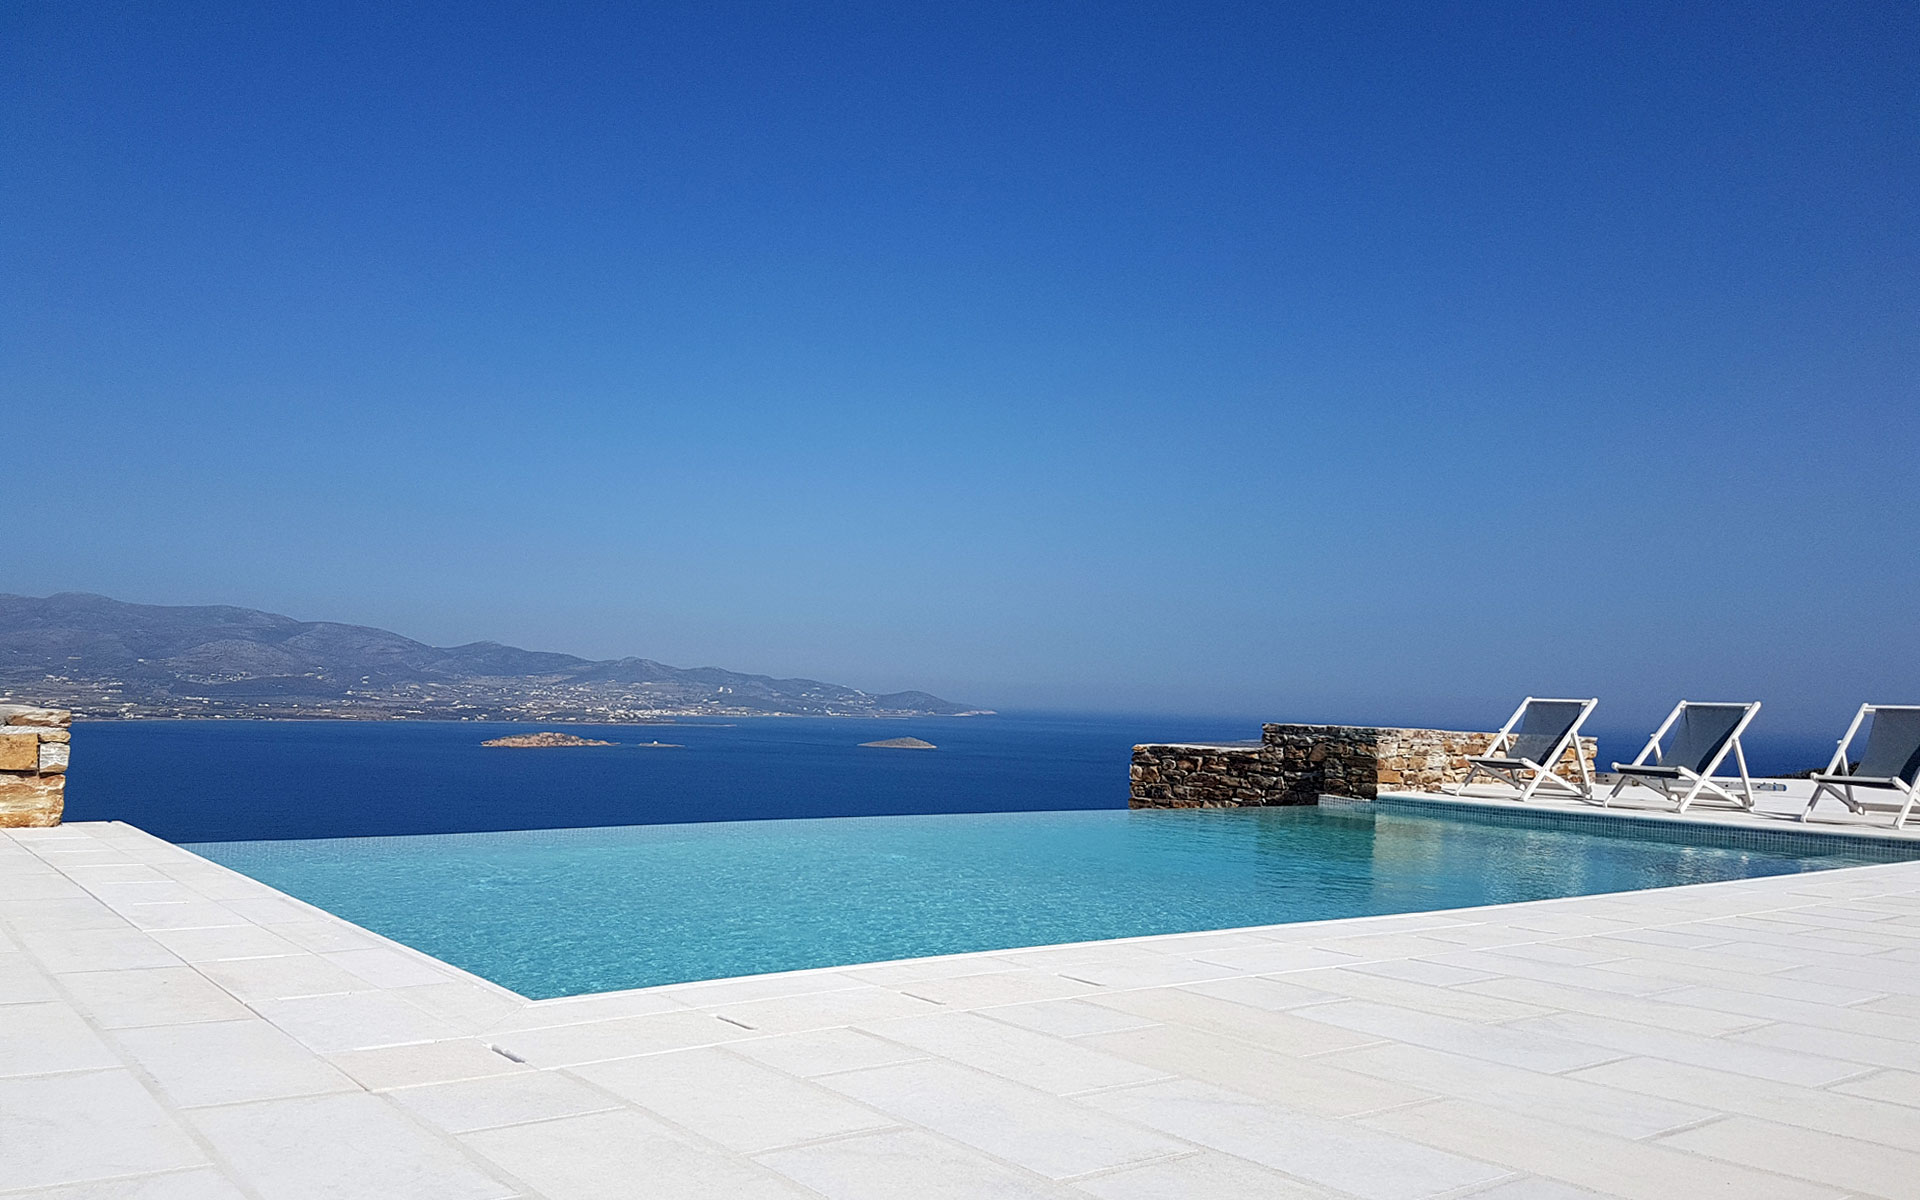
<point x="29" y="714"/>
<point x="31" y="800"/>
<point x="53" y="757"/>
<point x="19" y="751"/>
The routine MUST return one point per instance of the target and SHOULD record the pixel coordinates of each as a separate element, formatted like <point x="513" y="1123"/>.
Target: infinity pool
<point x="562" y="912"/>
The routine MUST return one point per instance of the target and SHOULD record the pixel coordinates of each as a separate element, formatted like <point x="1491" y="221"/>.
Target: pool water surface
<point x="563" y="912"/>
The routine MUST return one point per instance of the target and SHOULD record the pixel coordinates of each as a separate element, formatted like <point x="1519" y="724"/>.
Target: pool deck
<point x="1777" y="811"/>
<point x="170" y="1029"/>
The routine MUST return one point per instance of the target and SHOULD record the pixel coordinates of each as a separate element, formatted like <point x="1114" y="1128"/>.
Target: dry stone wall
<point x="1421" y="760"/>
<point x="34" y="744"/>
<point x="1297" y="764"/>
<point x="1202" y="776"/>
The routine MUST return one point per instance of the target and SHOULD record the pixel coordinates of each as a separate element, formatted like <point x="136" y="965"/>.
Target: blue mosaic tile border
<point x="1856" y="847"/>
<point x="1344" y="802"/>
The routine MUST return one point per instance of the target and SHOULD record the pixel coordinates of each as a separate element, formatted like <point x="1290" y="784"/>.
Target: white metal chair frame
<point x="1508" y="770"/>
<point x="1701" y="781"/>
<point x="1840" y="782"/>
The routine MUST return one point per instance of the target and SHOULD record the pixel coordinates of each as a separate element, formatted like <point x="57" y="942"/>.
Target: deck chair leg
<point x="1709" y="788"/>
<point x="1548" y="782"/>
<point x="1507" y="777"/>
<point x="1746" y="781"/>
<point x="1543" y="780"/>
<point x="1692" y="792"/>
<point x="1839" y="792"/>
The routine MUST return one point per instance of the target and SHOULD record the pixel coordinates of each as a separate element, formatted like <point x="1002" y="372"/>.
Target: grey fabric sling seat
<point x="1683" y="768"/>
<point x="1528" y="747"/>
<point x="1890" y="764"/>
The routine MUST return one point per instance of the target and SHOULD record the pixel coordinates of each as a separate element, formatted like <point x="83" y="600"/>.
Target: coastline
<point x="534" y="719"/>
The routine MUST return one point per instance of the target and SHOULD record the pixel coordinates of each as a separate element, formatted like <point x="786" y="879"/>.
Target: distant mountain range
<point x="105" y="658"/>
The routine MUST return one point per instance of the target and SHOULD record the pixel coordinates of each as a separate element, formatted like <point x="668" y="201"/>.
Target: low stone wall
<point x="1421" y="760"/>
<point x="1202" y="776"/>
<point x="1297" y="764"/>
<point x="33" y="764"/>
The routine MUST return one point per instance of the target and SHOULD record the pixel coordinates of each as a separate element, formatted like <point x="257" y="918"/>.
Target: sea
<point x="208" y="781"/>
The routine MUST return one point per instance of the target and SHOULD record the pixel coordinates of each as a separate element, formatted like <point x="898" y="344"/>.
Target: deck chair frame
<point x="1698" y="782"/>
<point x="1508" y="769"/>
<point x="1840" y="782"/>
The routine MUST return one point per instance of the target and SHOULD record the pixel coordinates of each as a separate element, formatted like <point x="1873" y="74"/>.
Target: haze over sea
<point x="194" y="781"/>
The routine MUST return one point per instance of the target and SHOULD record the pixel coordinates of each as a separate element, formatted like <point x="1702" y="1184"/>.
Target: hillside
<point x="106" y="658"/>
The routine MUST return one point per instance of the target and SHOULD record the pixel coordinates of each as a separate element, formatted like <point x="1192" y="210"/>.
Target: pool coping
<point x="1465" y="810"/>
<point x="496" y="1040"/>
<point x="1675" y="829"/>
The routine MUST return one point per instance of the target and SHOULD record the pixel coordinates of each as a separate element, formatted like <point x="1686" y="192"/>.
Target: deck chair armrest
<point x="1873" y="781"/>
<point x="1651" y="770"/>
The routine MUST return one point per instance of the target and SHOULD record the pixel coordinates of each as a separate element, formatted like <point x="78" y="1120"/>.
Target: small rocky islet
<point x="539" y="741"/>
<point x="901" y="743"/>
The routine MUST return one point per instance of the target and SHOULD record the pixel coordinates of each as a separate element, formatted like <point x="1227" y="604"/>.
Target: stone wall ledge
<point x="1297" y="764"/>
<point x="30" y="714"/>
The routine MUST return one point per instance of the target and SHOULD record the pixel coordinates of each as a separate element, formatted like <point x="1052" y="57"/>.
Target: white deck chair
<point x="1545" y="728"/>
<point x="1706" y="734"/>
<point x="1891" y="763"/>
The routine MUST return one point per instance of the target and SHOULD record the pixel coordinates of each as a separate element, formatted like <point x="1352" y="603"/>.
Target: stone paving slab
<point x="1781" y="807"/>
<point x="170" y="1029"/>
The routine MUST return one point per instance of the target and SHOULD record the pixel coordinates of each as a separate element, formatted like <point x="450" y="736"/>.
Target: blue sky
<point x="1335" y="362"/>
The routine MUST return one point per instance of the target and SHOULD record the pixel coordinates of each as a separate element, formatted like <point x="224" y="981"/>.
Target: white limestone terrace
<point x="171" y="1029"/>
<point x="1778" y="807"/>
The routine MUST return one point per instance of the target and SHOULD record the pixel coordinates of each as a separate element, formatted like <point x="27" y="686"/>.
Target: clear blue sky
<point x="1325" y="362"/>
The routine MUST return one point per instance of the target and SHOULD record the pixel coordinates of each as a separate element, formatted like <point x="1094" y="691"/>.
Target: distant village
<point x="463" y="700"/>
<point x="104" y="658"/>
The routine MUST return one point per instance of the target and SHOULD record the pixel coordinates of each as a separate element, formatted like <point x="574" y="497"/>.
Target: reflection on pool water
<point x="562" y="912"/>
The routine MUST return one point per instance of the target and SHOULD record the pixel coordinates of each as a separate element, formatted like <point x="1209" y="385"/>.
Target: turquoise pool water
<point x="562" y="912"/>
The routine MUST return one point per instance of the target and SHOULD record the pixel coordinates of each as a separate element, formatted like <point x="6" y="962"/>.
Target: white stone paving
<point x="170" y="1030"/>
<point x="1781" y="804"/>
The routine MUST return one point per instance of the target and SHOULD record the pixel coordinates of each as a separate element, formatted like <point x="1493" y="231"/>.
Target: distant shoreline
<point x="638" y="722"/>
<point x="117" y="661"/>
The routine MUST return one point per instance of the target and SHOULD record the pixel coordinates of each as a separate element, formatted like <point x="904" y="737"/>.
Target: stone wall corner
<point x="35" y="745"/>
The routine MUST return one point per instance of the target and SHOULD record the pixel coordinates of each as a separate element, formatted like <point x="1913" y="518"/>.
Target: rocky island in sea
<point x="901" y="744"/>
<point x="538" y="741"/>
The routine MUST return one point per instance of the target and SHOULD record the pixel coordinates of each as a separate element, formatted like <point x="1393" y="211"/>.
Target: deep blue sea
<point x="204" y="781"/>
